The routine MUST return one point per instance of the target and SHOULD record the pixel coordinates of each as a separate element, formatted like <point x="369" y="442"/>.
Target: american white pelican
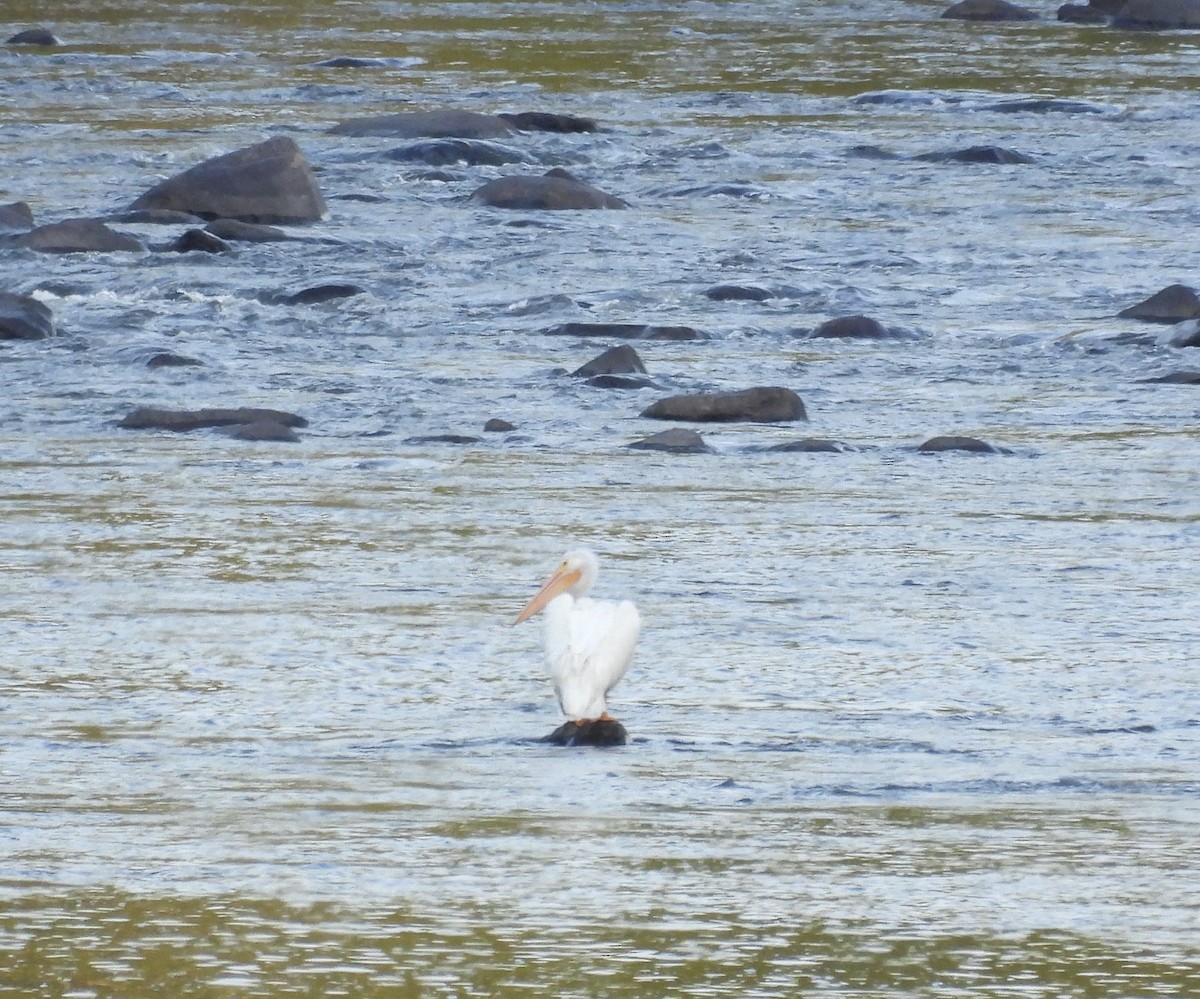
<point x="589" y="643"/>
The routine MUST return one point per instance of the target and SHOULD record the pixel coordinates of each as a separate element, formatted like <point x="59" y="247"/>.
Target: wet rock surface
<point x="269" y="182"/>
<point x="768" y="404"/>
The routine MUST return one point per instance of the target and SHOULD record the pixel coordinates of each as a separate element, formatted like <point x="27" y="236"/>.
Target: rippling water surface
<point x="902" y="724"/>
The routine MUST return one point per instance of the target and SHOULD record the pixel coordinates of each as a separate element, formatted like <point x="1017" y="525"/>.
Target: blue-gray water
<point x="902" y="724"/>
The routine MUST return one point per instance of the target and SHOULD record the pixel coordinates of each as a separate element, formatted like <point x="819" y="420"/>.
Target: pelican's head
<point x="575" y="575"/>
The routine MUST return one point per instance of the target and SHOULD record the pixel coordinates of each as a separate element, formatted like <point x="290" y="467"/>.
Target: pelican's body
<point x="589" y="643"/>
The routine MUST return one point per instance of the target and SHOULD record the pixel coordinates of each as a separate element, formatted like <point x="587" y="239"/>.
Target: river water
<point x="901" y="724"/>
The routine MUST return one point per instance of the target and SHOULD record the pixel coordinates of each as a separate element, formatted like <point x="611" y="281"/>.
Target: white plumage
<point x="589" y="643"/>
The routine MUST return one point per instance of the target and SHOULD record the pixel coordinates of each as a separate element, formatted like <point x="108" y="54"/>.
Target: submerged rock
<point x="770" y="404"/>
<point x="627" y="331"/>
<point x="1174" y="378"/>
<point x="989" y="10"/>
<point x="1158" y="15"/>
<point x="169" y="359"/>
<point x="594" y="733"/>
<point x="238" y="231"/>
<point x="737" y="293"/>
<point x="183" y="420"/>
<point x="443" y="439"/>
<point x="950" y="443"/>
<point x="1173" y="304"/>
<point x="542" y="121"/>
<point x="677" y="440"/>
<point x="320" y="293"/>
<point x="977" y="154"/>
<point x="555" y="190"/>
<point x="498" y="426"/>
<point x="260" y="430"/>
<point x="1044" y="105"/>
<point x="472" y="152"/>
<point x="620" y="360"/>
<point x="438" y="124"/>
<point x="270" y="182"/>
<point x="1185" y="334"/>
<point x="813" y="445"/>
<point x="23" y="317"/>
<point x="79" y="236"/>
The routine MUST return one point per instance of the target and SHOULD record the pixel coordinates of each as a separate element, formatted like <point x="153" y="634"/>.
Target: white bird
<point x="589" y="643"/>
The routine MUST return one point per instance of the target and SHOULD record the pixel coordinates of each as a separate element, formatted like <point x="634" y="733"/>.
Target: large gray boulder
<point x="1158" y="15"/>
<point x="268" y="182"/>
<point x="444" y="124"/>
<point x="557" y="190"/>
<point x="24" y="318"/>
<point x="756" y="405"/>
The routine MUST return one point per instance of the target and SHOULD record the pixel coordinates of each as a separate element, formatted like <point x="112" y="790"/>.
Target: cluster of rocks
<point x="245" y="194"/>
<point x="1133" y="15"/>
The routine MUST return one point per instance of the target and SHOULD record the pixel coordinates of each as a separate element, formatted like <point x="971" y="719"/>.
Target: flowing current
<point x="901" y="724"/>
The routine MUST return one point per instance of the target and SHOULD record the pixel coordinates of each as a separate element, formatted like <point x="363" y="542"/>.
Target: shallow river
<point x="901" y="724"/>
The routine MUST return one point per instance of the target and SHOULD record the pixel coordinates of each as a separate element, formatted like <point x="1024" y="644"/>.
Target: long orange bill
<point x="560" y="582"/>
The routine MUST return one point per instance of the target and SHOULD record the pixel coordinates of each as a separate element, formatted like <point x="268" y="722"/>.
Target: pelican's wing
<point x="589" y="645"/>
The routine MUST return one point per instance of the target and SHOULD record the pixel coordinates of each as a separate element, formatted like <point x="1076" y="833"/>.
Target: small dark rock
<point x="443" y="439"/>
<point x="182" y="420"/>
<point x="1175" y="378"/>
<point x="541" y="121"/>
<point x="737" y="293"/>
<point x="33" y="36"/>
<point x="1075" y="13"/>
<point x="16" y="216"/>
<point x="23" y="317"/>
<point x="352" y="62"/>
<point x="79" y="236"/>
<point x="167" y="359"/>
<point x="677" y="440"/>
<point x="554" y="191"/>
<point x="852" y="328"/>
<point x="770" y="404"/>
<point x="620" y="360"/>
<point x="498" y="426"/>
<point x="198" y="241"/>
<point x="937" y="444"/>
<point x="594" y="733"/>
<point x="321" y="293"/>
<point x="1173" y="304"/>
<point x="989" y="10"/>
